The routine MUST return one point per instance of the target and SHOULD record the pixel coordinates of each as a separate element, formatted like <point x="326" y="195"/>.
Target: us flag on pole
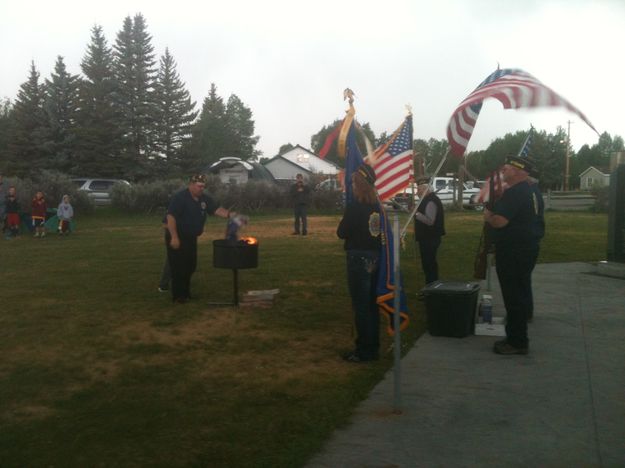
<point x="393" y="162"/>
<point x="514" y="89"/>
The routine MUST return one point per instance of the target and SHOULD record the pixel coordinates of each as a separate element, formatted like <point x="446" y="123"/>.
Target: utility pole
<point x="568" y="144"/>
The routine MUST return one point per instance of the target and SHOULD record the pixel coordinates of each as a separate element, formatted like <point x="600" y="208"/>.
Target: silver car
<point x="99" y="190"/>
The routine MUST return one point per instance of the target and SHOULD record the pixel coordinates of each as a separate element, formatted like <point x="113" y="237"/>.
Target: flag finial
<point x="348" y="94"/>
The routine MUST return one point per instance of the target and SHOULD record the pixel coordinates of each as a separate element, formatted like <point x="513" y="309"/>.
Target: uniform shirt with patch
<point x="517" y="205"/>
<point x="190" y="214"/>
<point x="360" y="227"/>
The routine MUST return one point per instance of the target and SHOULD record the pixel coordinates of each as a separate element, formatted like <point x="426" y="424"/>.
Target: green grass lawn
<point x="100" y="369"/>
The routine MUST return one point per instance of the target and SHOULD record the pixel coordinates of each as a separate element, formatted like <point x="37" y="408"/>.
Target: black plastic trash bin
<point x="450" y="307"/>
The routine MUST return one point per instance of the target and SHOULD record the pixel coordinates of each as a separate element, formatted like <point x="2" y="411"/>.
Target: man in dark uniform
<point x="300" y="194"/>
<point x="185" y="223"/>
<point x="429" y="227"/>
<point x="539" y="225"/>
<point x="514" y="219"/>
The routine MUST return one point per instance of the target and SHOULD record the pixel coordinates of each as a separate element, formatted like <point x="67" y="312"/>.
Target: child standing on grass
<point x="38" y="214"/>
<point x="12" y="207"/>
<point x="65" y="213"/>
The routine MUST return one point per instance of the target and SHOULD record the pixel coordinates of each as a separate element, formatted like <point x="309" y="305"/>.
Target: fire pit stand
<point x="235" y="255"/>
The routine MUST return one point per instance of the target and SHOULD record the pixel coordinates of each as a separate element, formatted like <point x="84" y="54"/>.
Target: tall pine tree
<point x="174" y="116"/>
<point x="28" y="151"/>
<point x="241" y="141"/>
<point x="98" y="133"/>
<point x="6" y="110"/>
<point x="209" y="135"/>
<point x="61" y="105"/>
<point x="223" y="130"/>
<point x="135" y="71"/>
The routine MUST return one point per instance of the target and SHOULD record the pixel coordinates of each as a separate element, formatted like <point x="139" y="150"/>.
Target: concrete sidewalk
<point x="563" y="405"/>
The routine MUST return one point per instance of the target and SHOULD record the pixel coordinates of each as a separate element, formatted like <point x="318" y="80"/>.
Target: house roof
<point x="601" y="171"/>
<point x="306" y="160"/>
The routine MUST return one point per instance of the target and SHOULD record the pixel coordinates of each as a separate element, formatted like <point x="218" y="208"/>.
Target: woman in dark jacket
<point x="360" y="227"/>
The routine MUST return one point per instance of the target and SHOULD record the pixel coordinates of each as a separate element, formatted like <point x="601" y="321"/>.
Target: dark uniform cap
<point x="422" y="180"/>
<point x="368" y="173"/>
<point x="525" y="164"/>
<point x="198" y="179"/>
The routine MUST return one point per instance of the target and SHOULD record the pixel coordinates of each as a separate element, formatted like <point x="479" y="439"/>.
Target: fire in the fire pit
<point x="249" y="240"/>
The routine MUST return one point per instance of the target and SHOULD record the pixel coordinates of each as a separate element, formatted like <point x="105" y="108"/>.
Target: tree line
<point x="124" y="116"/>
<point x="547" y="149"/>
<point x="127" y="116"/>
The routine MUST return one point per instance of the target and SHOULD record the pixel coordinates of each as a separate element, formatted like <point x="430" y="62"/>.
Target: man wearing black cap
<point x="514" y="219"/>
<point x="186" y="215"/>
<point x="429" y="227"/>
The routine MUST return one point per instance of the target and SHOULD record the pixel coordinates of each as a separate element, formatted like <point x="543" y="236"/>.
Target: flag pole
<point x="414" y="211"/>
<point x="396" y="321"/>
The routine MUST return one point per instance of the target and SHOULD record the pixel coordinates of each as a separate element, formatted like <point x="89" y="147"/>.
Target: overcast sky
<point x="290" y="60"/>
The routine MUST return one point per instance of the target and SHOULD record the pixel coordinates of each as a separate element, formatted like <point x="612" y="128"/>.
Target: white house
<point x="593" y="177"/>
<point x="299" y="160"/>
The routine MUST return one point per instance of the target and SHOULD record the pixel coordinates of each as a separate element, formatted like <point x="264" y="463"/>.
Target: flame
<point x="249" y="240"/>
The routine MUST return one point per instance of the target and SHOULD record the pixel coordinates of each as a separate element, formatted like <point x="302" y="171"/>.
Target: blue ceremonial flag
<point x="353" y="160"/>
<point x="386" y="288"/>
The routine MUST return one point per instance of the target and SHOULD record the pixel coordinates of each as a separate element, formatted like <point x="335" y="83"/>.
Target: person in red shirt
<point x="38" y="214"/>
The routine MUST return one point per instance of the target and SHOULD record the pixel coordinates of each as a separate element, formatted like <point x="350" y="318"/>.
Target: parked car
<point x="99" y="190"/>
<point x="446" y="190"/>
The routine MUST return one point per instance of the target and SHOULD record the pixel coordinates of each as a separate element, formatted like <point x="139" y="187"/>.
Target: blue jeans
<point x="362" y="275"/>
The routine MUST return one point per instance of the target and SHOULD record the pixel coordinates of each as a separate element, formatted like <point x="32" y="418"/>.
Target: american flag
<point x="514" y="89"/>
<point x="393" y="162"/>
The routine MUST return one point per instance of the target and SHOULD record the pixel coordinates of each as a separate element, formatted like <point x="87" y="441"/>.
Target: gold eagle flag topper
<point x="347" y="122"/>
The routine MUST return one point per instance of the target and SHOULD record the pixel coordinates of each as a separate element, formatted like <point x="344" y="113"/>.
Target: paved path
<point x="563" y="405"/>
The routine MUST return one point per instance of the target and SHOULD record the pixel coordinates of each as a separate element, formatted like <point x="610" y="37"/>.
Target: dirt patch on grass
<point x="28" y="412"/>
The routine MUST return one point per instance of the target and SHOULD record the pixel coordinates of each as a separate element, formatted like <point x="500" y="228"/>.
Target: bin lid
<point x="451" y="287"/>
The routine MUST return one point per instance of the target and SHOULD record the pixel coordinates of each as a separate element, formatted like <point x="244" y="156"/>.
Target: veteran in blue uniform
<point x="517" y="235"/>
<point x="186" y="215"/>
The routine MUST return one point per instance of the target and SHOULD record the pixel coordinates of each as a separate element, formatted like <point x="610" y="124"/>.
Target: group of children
<point x="39" y="208"/>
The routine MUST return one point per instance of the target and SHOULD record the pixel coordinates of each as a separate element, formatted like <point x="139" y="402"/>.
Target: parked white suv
<point x="446" y="189"/>
<point x="99" y="190"/>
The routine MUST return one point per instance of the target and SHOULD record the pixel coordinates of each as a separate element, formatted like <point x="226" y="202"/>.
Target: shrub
<point x="602" y="198"/>
<point x="252" y="197"/>
<point x="145" y="197"/>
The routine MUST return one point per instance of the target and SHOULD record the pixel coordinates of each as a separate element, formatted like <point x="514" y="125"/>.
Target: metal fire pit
<point x="235" y="255"/>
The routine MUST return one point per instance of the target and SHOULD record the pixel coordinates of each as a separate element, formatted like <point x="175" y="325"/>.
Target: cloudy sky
<point x="290" y="60"/>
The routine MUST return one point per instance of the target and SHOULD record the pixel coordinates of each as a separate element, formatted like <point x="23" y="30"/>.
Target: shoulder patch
<point x="374" y="224"/>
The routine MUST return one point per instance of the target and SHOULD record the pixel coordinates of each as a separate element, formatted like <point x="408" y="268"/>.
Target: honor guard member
<point x="429" y="227"/>
<point x="186" y="215"/>
<point x="517" y="236"/>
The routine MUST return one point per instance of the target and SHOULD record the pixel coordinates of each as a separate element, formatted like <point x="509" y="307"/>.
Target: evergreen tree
<point x="135" y="72"/>
<point x="27" y="149"/>
<point x="174" y="116"/>
<point x="209" y="134"/>
<point x="6" y="108"/>
<point x="61" y="105"/>
<point x="98" y="133"/>
<point x="241" y="141"/>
